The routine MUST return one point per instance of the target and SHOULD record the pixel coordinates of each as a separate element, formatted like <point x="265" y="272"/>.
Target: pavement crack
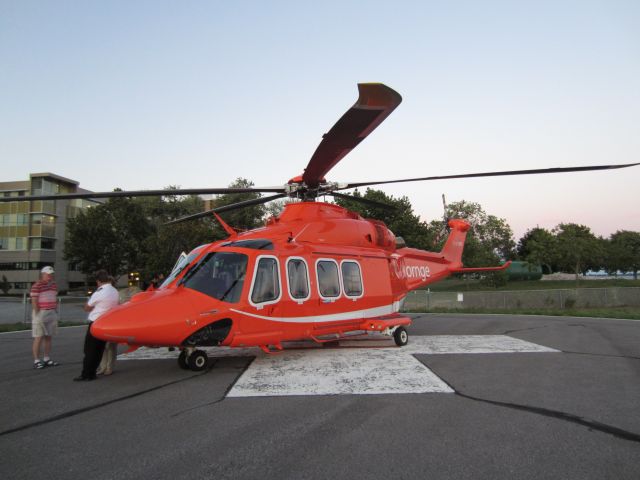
<point x="79" y="411"/>
<point x="607" y="355"/>
<point x="567" y="417"/>
<point x="224" y="395"/>
<point x="586" y="422"/>
<point x="517" y="330"/>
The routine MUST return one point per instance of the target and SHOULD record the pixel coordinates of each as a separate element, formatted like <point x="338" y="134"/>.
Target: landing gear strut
<point x="182" y="360"/>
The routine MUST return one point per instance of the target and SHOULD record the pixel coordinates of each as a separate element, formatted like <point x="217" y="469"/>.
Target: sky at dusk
<point x="147" y="94"/>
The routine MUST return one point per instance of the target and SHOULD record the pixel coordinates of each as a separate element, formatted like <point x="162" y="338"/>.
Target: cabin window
<point x="219" y="275"/>
<point x="328" y="278"/>
<point x="351" y="279"/>
<point x="298" y="278"/>
<point x="266" y="283"/>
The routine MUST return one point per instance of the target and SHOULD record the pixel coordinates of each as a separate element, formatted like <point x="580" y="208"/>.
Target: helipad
<point x="354" y="368"/>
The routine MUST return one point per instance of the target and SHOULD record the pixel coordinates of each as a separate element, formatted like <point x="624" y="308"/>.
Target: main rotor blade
<point x="366" y="201"/>
<point x="142" y="193"/>
<point x="495" y="174"/>
<point x="227" y="208"/>
<point x="375" y="103"/>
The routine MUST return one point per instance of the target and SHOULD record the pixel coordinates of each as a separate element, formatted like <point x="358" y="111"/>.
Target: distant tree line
<point x="124" y="235"/>
<point x="573" y="248"/>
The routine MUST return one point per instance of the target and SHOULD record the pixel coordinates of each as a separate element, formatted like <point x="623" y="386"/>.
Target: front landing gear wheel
<point x="400" y="336"/>
<point x="197" y="361"/>
<point x="182" y="360"/>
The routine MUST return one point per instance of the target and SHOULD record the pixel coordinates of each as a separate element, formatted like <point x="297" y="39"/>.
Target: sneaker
<point x="82" y="378"/>
<point x="39" y="364"/>
<point x="51" y="363"/>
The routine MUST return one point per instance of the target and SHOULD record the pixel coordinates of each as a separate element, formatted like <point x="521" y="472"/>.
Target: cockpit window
<point x="255" y="244"/>
<point x="219" y="274"/>
<point x="181" y="264"/>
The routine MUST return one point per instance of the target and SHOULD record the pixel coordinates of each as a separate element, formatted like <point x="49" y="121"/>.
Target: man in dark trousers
<point x="103" y="299"/>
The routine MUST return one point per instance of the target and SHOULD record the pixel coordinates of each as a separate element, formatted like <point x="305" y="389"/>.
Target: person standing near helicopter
<point x="110" y="352"/>
<point x="44" y="298"/>
<point x="102" y="300"/>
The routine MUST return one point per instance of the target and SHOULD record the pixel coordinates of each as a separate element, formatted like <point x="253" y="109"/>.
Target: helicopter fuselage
<point x="318" y="271"/>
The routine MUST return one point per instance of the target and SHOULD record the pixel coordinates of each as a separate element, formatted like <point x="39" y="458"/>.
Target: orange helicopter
<point x="316" y="272"/>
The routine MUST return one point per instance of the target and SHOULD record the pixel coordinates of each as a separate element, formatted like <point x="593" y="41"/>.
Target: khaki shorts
<point x="44" y="323"/>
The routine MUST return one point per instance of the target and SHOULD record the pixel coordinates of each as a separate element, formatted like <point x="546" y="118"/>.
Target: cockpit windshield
<point x="218" y="274"/>
<point x="181" y="264"/>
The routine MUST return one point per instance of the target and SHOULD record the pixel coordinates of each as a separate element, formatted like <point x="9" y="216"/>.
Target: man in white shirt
<point x="103" y="299"/>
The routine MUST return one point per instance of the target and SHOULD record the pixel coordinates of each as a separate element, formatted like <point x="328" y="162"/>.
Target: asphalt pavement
<point x="569" y="411"/>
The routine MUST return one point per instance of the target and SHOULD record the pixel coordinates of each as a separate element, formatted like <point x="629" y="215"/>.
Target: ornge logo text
<point x="414" y="271"/>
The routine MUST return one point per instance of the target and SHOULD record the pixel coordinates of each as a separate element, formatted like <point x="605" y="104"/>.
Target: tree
<point x="244" y="218"/>
<point x="623" y="252"/>
<point x="274" y="208"/>
<point x="490" y="239"/>
<point x="166" y="242"/>
<point x="577" y="249"/>
<point x="538" y="246"/>
<point x="400" y="219"/>
<point x="109" y="236"/>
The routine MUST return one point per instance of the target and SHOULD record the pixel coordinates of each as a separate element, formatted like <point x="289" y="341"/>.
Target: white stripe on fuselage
<point x="334" y="317"/>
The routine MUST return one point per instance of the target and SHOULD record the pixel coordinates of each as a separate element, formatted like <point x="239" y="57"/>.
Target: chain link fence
<point x="70" y="308"/>
<point x="425" y="300"/>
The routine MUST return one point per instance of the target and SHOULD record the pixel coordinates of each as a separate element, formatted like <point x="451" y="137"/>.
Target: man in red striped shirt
<point x="44" y="322"/>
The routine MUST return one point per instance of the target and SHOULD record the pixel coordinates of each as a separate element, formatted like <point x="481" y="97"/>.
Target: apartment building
<point x="32" y="233"/>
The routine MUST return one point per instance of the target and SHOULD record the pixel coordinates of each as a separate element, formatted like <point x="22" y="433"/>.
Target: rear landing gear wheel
<point x="182" y="360"/>
<point x="197" y="361"/>
<point x="400" y="336"/>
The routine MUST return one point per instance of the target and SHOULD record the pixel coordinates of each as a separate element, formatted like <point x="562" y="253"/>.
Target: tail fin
<point x="452" y="250"/>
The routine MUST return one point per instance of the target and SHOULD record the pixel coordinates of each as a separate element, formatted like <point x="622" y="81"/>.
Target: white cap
<point x="47" y="269"/>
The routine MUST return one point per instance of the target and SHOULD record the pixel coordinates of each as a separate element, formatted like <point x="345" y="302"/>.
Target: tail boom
<point x="418" y="268"/>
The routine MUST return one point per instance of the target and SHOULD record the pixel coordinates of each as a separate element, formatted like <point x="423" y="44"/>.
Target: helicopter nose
<point x="163" y="317"/>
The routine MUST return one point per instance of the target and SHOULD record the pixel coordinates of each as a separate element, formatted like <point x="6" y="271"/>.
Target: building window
<point x="42" y="243"/>
<point x="48" y="244"/>
<point x="48" y="187"/>
<point x="266" y="283"/>
<point x="23" y="266"/>
<point x="351" y="279"/>
<point x="328" y="278"/>
<point x="4" y="243"/>
<point x="36" y="186"/>
<point x="298" y="278"/>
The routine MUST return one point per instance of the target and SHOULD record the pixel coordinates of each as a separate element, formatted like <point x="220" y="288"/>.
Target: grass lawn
<point x="625" y="313"/>
<point x="458" y="285"/>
